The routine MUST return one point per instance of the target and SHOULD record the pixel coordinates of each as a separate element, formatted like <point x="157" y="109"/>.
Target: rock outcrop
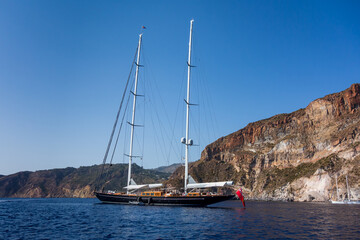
<point x="291" y="157"/>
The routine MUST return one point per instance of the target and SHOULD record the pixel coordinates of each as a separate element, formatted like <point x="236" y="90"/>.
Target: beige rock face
<point x="314" y="188"/>
<point x="291" y="156"/>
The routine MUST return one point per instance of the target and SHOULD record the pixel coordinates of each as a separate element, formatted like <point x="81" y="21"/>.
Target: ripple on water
<point x="86" y="219"/>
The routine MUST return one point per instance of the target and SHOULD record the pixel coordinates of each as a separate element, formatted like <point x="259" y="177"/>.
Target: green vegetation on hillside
<point x="273" y="178"/>
<point x="70" y="182"/>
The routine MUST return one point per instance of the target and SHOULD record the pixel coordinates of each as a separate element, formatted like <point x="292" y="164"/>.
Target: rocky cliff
<point x="73" y="182"/>
<point x="290" y="156"/>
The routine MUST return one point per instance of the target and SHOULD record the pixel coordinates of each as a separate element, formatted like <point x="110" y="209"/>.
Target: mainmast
<point x="188" y="141"/>
<point x="133" y="112"/>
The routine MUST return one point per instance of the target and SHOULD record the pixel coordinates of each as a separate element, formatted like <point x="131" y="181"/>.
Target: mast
<point x="337" y="189"/>
<point x="133" y="112"/>
<point x="347" y="187"/>
<point x="187" y="141"/>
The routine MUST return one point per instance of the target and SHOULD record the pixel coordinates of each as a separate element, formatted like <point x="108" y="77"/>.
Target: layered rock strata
<point x="291" y="156"/>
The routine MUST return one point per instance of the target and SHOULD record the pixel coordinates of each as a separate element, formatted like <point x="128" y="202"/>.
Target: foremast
<point x="187" y="141"/>
<point x="132" y="124"/>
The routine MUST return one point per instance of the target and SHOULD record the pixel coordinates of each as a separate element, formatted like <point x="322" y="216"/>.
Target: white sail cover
<point x="210" y="184"/>
<point x="136" y="187"/>
<point x="155" y="185"/>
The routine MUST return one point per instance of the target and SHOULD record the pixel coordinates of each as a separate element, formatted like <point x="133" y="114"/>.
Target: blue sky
<point x="63" y="66"/>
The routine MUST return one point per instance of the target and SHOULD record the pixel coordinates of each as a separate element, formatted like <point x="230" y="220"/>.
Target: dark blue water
<point x="89" y="219"/>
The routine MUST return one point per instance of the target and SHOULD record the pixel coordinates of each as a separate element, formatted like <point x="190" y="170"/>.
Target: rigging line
<point x="200" y="109"/>
<point x="161" y="129"/>
<point x="194" y="128"/>
<point x="157" y="137"/>
<point x="155" y="83"/>
<point x="143" y="143"/>
<point x="121" y="124"/>
<point x="157" y="143"/>
<point x="176" y="114"/>
<point x="208" y="109"/>
<point x="207" y="117"/>
<point x="125" y="137"/>
<point x="136" y="138"/>
<point x="196" y="119"/>
<point x="136" y="134"/>
<point x="206" y="103"/>
<point x="145" y="99"/>
<point x="107" y="172"/>
<point x="125" y="116"/>
<point x="203" y="130"/>
<point x="161" y="133"/>
<point x="213" y="118"/>
<point x="183" y="118"/>
<point x="212" y="115"/>
<point x="157" y="133"/>
<point x="117" y="117"/>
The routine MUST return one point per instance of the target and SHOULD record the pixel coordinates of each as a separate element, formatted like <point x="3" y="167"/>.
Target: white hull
<point x="345" y="202"/>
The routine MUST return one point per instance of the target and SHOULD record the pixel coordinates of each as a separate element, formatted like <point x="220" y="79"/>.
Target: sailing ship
<point x="193" y="193"/>
<point x="344" y="201"/>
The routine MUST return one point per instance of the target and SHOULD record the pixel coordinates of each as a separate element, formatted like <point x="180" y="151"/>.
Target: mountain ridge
<point x="73" y="182"/>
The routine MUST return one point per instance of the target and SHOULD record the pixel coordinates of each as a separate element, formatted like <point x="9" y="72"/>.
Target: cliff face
<point x="73" y="182"/>
<point x="290" y="156"/>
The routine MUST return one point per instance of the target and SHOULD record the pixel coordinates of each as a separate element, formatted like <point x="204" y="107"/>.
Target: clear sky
<point x="63" y="66"/>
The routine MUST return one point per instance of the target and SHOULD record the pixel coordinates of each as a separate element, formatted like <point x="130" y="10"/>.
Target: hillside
<point x="168" y="169"/>
<point x="73" y="182"/>
<point x="291" y="156"/>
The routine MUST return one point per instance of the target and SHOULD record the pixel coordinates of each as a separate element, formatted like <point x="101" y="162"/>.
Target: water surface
<point x="89" y="219"/>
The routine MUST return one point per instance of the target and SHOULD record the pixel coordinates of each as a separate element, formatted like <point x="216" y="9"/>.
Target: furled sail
<point x="136" y="187"/>
<point x="210" y="184"/>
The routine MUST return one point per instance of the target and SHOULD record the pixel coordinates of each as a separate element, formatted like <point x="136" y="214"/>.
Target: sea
<point x="70" y="218"/>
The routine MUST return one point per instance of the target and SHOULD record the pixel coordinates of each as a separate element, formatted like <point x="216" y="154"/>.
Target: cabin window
<point x="152" y="194"/>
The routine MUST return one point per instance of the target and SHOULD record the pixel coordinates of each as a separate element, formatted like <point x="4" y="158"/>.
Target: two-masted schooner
<point x="343" y="201"/>
<point x="193" y="193"/>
